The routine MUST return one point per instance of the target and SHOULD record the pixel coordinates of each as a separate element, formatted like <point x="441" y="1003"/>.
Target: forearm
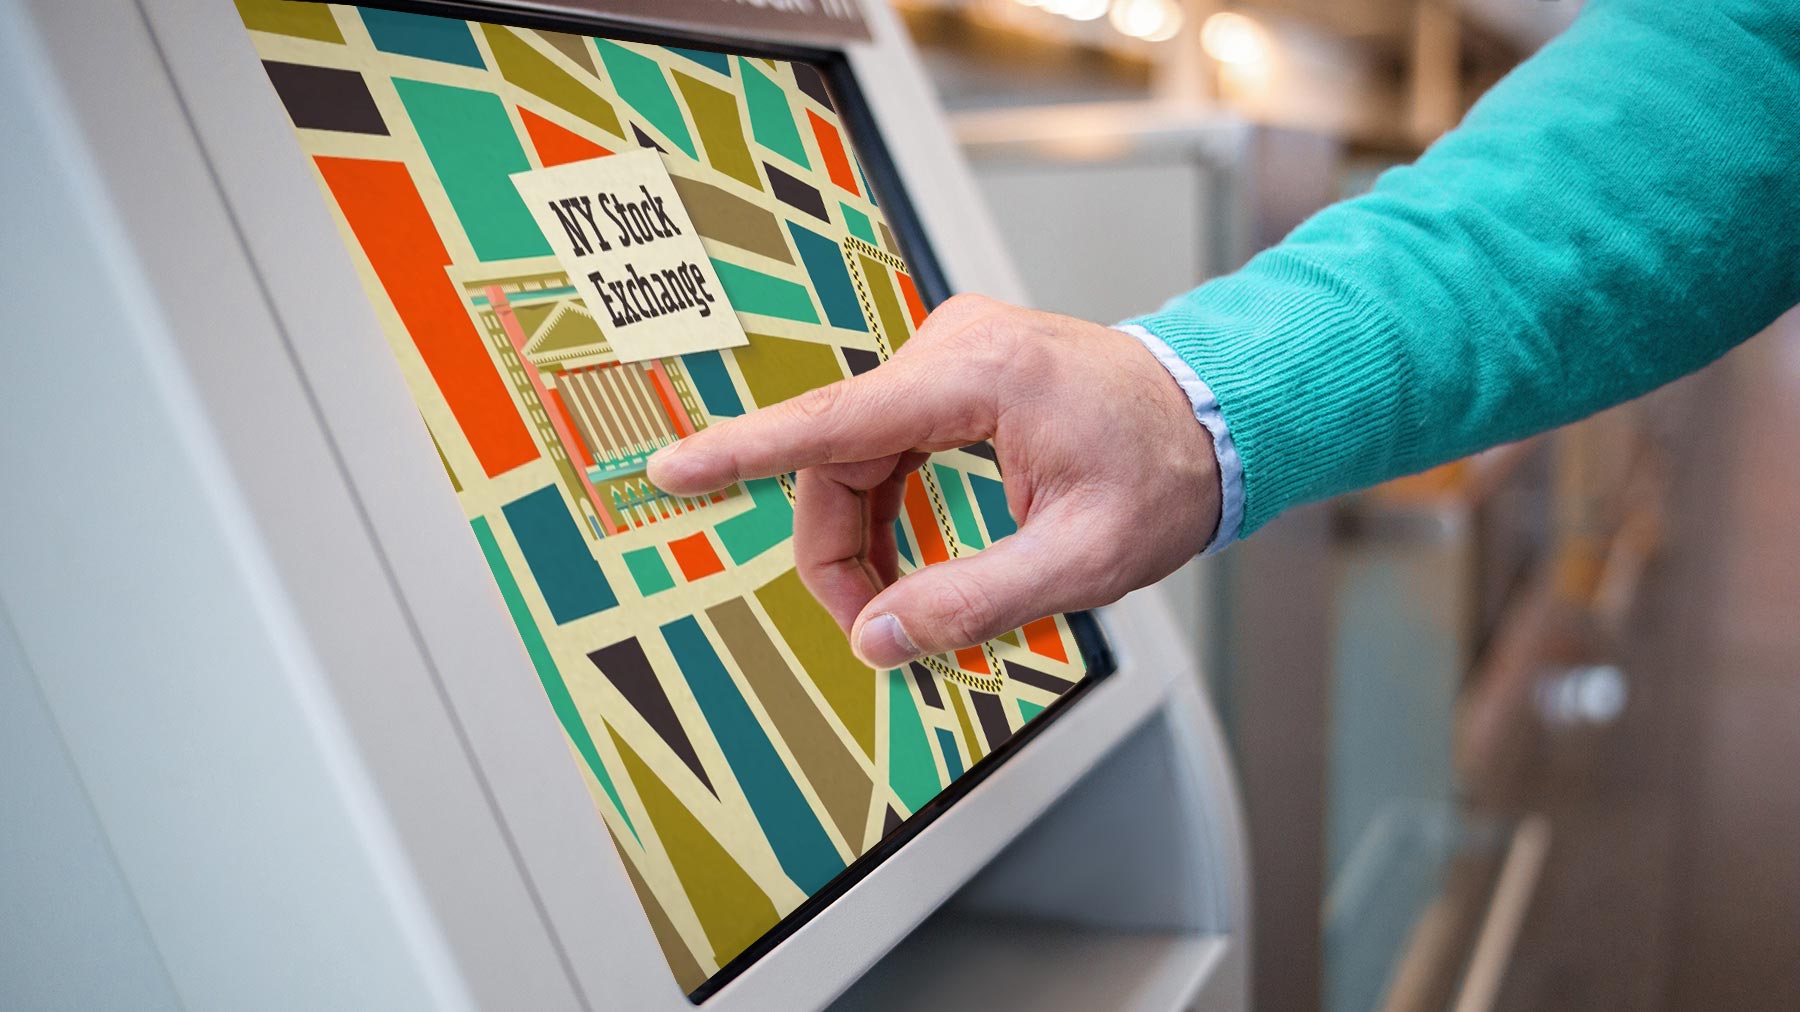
<point x="1616" y="214"/>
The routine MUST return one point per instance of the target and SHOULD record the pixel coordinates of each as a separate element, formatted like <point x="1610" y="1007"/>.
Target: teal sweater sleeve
<point x="1619" y="211"/>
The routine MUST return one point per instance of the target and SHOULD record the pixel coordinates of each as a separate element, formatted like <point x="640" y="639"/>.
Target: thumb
<point x="967" y="601"/>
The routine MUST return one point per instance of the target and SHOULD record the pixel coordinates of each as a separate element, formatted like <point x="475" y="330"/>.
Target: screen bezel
<point x="882" y="173"/>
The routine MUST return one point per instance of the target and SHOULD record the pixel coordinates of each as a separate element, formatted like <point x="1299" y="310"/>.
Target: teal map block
<point x="717" y="61"/>
<point x="771" y="119"/>
<point x="824" y="262"/>
<point x="768" y="523"/>
<point x="445" y="40"/>
<point x="474" y="151"/>
<point x="713" y="383"/>
<point x="648" y="570"/>
<point x="641" y="84"/>
<point x="952" y="757"/>
<point x="859" y="225"/>
<point x="957" y="499"/>
<point x="991" y="495"/>
<point x="793" y="831"/>
<point x="911" y="772"/>
<point x="752" y="291"/>
<point x="558" y="556"/>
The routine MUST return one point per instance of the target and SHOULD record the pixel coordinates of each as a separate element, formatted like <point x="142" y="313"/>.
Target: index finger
<point x="903" y="404"/>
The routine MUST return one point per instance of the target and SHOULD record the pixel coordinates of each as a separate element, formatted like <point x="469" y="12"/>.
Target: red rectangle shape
<point x="924" y="525"/>
<point x="396" y="233"/>
<point x="695" y="555"/>
<point x="972" y="659"/>
<point x="1045" y="639"/>
<point x="915" y="307"/>
<point x="831" y="148"/>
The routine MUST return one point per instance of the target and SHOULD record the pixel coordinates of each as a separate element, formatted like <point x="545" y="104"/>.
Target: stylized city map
<point x="737" y="752"/>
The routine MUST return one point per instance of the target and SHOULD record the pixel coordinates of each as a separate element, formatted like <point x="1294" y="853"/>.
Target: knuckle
<point x="966" y="302"/>
<point x="953" y="314"/>
<point x="816" y="414"/>
<point x="818" y="404"/>
<point x="969" y="610"/>
<point x="821" y="411"/>
<point x="982" y="351"/>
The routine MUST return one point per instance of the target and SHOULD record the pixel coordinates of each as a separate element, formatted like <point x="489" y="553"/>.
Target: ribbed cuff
<point x="1299" y="361"/>
<point x="1206" y="412"/>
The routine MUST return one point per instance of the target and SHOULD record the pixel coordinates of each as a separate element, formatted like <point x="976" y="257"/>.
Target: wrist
<point x="1207" y="412"/>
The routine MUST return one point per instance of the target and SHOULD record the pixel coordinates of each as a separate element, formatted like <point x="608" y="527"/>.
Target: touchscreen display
<point x="739" y="755"/>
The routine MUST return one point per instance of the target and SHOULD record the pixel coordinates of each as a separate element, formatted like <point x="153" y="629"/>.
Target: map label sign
<point x="619" y="230"/>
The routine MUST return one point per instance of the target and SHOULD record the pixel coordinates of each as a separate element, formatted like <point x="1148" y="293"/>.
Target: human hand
<point x="1112" y="480"/>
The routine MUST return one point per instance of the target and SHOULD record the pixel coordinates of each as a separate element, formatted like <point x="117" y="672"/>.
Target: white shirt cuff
<point x="1207" y="413"/>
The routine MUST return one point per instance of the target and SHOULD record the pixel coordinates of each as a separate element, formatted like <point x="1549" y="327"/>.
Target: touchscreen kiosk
<point x="345" y="646"/>
<point x="527" y="201"/>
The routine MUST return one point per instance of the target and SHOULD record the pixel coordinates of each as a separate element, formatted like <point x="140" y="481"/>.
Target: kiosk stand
<point x="273" y="723"/>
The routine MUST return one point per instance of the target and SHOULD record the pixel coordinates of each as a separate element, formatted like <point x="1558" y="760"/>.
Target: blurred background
<point x="1552" y="760"/>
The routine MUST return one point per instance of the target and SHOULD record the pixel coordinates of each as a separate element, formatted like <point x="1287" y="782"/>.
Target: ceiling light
<point x="1083" y="10"/>
<point x="1232" y="38"/>
<point x="1151" y="20"/>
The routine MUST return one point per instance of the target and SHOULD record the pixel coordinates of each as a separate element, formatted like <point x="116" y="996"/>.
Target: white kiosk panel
<point x="372" y="635"/>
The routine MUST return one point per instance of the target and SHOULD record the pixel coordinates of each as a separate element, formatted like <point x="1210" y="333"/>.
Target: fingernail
<point x="884" y="643"/>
